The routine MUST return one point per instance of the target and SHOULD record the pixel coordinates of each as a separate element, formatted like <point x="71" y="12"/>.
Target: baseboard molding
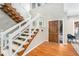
<point x="76" y="48"/>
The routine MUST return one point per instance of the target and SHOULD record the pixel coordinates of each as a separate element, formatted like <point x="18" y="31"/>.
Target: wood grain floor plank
<point x="53" y="49"/>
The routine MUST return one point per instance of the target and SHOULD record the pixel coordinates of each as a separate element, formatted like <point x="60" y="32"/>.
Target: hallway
<point x="53" y="49"/>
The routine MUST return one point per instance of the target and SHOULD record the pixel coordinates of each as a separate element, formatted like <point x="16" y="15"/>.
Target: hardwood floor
<point x="53" y="49"/>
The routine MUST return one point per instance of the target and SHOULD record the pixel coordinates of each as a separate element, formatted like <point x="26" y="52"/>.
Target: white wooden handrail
<point x="24" y="42"/>
<point x="7" y="36"/>
<point x="17" y="25"/>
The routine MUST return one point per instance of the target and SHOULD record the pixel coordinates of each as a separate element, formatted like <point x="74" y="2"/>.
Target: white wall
<point x="70" y="29"/>
<point x="50" y="11"/>
<point x="69" y="26"/>
<point x="22" y="8"/>
<point x="39" y="39"/>
<point x="71" y="14"/>
<point x="71" y="8"/>
<point x="72" y="11"/>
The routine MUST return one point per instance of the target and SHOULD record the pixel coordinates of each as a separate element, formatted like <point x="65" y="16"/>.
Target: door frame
<point x="74" y="25"/>
<point x="58" y="31"/>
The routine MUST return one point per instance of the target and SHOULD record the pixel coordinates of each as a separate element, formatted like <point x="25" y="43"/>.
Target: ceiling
<point x="71" y="9"/>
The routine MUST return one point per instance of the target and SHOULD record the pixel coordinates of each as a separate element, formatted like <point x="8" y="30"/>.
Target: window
<point x="33" y="5"/>
<point x="39" y="4"/>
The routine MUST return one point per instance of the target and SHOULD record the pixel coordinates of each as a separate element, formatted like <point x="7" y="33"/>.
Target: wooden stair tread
<point x="37" y="29"/>
<point x="26" y="31"/>
<point x="25" y="34"/>
<point x="18" y="41"/>
<point x="30" y="40"/>
<point x="15" y="47"/>
<point x="26" y="43"/>
<point x="31" y="29"/>
<point x="33" y="34"/>
<point x="24" y="37"/>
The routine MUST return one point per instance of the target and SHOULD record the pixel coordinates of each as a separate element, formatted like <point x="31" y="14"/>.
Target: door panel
<point x="53" y="31"/>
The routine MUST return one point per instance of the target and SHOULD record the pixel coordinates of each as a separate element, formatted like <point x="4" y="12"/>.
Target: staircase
<point x="19" y="40"/>
<point x="11" y="12"/>
<point x="16" y="40"/>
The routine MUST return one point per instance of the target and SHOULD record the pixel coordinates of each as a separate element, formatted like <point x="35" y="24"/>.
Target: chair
<point x="70" y="37"/>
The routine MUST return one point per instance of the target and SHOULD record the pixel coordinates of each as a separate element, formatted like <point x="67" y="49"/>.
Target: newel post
<point x="2" y="39"/>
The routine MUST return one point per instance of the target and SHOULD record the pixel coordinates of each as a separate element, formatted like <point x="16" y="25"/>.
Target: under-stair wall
<point x="39" y="39"/>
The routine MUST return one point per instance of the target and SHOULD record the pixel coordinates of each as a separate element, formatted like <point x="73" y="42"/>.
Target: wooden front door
<point x="53" y="31"/>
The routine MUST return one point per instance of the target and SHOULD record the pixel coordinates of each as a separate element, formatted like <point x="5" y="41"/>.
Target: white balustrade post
<point x="20" y="29"/>
<point x="38" y="24"/>
<point x="10" y="45"/>
<point x="30" y="28"/>
<point x="38" y="19"/>
<point x="5" y="40"/>
<point x="2" y="39"/>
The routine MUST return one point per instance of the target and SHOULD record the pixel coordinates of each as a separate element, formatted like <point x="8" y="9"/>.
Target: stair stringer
<point x="38" y="39"/>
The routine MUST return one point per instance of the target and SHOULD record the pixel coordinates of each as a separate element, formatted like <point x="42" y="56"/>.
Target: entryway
<point x="56" y="31"/>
